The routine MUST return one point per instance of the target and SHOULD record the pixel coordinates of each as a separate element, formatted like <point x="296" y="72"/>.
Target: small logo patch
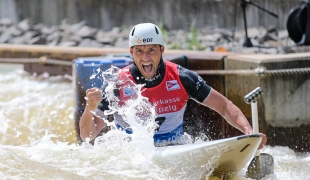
<point x="145" y="40"/>
<point x="139" y="41"/>
<point x="128" y="92"/>
<point x="172" y="85"/>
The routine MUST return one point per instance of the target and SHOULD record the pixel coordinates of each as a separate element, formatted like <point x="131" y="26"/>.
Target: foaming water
<point x="29" y="105"/>
<point x="136" y="110"/>
<point x="38" y="140"/>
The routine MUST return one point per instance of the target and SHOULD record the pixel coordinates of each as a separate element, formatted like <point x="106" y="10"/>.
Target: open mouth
<point x="147" y="68"/>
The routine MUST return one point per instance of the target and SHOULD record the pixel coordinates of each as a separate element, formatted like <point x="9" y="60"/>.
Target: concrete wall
<point x="176" y="14"/>
<point x="285" y="98"/>
<point x="284" y="114"/>
<point x="283" y="108"/>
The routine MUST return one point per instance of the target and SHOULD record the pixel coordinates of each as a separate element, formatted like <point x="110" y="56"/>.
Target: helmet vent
<point x="156" y="30"/>
<point x="133" y="31"/>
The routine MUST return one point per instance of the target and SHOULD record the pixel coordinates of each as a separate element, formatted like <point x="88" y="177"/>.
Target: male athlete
<point x="167" y="85"/>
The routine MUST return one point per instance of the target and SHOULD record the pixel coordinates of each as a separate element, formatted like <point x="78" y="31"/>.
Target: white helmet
<point x="145" y="33"/>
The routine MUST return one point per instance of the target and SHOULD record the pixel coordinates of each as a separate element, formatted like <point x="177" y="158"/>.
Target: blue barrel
<point x="87" y="73"/>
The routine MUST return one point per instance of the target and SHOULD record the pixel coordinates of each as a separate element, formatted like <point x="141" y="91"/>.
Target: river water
<point x="38" y="139"/>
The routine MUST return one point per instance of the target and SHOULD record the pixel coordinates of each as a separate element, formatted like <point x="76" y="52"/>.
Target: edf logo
<point x="147" y="40"/>
<point x="139" y="41"/>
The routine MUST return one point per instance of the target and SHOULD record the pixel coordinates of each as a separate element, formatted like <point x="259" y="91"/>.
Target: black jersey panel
<point x="195" y="86"/>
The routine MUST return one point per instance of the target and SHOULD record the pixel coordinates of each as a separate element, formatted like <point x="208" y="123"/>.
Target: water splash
<point x="38" y="140"/>
<point x="136" y="110"/>
<point x="30" y="104"/>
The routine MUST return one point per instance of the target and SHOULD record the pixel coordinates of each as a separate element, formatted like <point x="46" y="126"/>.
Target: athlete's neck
<point x="151" y="82"/>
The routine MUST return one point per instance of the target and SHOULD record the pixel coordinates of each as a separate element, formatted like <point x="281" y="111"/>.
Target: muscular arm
<point x="198" y="90"/>
<point x="91" y="125"/>
<point x="230" y="112"/>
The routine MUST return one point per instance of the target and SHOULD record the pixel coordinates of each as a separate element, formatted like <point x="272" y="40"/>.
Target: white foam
<point x="137" y="112"/>
<point x="38" y="140"/>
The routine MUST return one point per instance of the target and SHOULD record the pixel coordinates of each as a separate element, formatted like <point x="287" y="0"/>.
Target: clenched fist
<point x="93" y="98"/>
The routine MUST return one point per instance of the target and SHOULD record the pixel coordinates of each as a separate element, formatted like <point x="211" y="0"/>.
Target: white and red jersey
<point x="169" y="93"/>
<point x="169" y="98"/>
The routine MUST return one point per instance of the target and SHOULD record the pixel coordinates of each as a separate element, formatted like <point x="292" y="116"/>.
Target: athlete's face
<point x="147" y="58"/>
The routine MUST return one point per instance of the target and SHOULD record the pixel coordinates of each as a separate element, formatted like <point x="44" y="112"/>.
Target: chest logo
<point x="172" y="85"/>
<point x="128" y="92"/>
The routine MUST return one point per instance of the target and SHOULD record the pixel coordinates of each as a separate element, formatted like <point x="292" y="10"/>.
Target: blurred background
<point x="40" y="39"/>
<point x="174" y="14"/>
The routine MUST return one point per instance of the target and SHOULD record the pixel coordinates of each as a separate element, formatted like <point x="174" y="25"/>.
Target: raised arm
<point x="91" y="125"/>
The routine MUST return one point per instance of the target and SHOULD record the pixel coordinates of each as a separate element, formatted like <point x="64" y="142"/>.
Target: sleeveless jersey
<point x="169" y="98"/>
